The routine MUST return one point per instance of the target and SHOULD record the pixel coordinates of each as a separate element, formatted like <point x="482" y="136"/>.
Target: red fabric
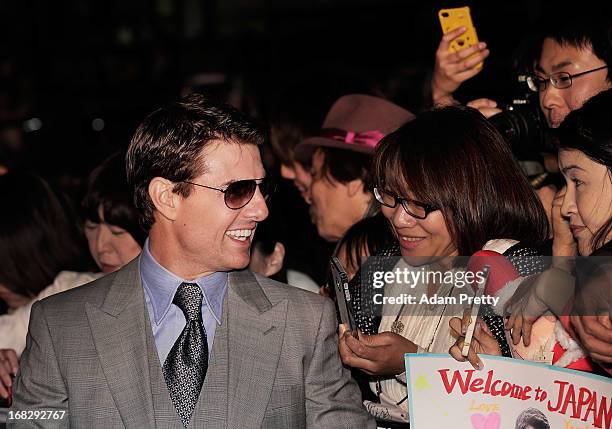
<point x="501" y="270"/>
<point x="501" y="273"/>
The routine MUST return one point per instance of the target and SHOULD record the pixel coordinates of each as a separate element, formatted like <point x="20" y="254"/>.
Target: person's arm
<point x="551" y="290"/>
<point x="453" y="68"/>
<point x="39" y="385"/>
<point x="591" y="316"/>
<point x="333" y="400"/>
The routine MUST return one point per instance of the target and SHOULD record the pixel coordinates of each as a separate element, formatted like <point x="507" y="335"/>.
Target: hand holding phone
<point x="452" y="19"/>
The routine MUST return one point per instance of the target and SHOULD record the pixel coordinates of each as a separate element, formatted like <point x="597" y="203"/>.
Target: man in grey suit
<point x="180" y="337"/>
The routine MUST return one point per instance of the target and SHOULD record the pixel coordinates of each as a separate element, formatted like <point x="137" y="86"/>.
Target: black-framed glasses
<point x="239" y="193"/>
<point x="414" y="208"/>
<point x="559" y="80"/>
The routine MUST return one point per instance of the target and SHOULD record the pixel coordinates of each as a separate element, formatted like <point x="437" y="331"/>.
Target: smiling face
<point x="111" y="246"/>
<point x="205" y="235"/>
<point x="421" y="240"/>
<point x="588" y="200"/>
<point x="557" y="103"/>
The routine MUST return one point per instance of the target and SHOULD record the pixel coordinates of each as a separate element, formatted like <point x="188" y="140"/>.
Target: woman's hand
<point x="453" y="68"/>
<point x="380" y="354"/>
<point x="9" y="364"/>
<point x="524" y="308"/>
<point x="595" y="334"/>
<point x="483" y="341"/>
<point x="548" y="292"/>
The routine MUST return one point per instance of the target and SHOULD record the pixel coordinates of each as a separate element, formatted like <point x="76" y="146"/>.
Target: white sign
<point x="505" y="394"/>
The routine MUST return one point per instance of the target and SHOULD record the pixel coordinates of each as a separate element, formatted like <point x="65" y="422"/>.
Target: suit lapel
<point x="118" y="328"/>
<point x="211" y="410"/>
<point x="256" y="330"/>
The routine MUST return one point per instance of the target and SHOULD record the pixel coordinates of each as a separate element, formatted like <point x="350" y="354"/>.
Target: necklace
<point x="397" y="327"/>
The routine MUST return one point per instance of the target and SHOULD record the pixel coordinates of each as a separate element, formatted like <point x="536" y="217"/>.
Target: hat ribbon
<point x="364" y="138"/>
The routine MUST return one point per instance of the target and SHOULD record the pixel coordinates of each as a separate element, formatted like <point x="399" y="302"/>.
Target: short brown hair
<point x="169" y="142"/>
<point x="453" y="158"/>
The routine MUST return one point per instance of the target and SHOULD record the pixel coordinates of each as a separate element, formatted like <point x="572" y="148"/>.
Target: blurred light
<point x="33" y="124"/>
<point x="98" y="124"/>
<point x="125" y="36"/>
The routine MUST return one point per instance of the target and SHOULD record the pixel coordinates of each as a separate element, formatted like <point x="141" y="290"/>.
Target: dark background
<point x="77" y="76"/>
<point x="71" y="62"/>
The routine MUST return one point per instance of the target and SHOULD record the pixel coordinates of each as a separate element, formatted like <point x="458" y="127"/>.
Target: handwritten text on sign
<point x="504" y="391"/>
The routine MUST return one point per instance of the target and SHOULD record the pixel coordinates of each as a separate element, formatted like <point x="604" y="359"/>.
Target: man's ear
<point x="274" y="261"/>
<point x="165" y="201"/>
<point x="354" y="187"/>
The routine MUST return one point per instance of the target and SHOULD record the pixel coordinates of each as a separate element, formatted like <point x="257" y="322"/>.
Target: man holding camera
<point x="572" y="66"/>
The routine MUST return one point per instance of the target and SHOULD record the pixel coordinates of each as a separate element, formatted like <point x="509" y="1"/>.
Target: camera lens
<point x="523" y="128"/>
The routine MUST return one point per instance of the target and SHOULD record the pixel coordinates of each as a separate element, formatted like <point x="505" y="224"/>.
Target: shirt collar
<point x="161" y="286"/>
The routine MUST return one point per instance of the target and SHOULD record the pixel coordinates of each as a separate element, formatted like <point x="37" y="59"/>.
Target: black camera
<point x="523" y="126"/>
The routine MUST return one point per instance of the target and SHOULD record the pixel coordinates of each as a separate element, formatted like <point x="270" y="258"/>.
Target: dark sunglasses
<point x="238" y="194"/>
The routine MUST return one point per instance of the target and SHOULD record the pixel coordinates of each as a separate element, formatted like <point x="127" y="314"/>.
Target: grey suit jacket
<point x="275" y="364"/>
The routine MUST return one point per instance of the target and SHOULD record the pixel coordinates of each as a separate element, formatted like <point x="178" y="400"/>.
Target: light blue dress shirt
<point x="167" y="320"/>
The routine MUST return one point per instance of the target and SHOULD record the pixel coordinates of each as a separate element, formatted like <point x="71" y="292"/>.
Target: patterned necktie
<point x="186" y="364"/>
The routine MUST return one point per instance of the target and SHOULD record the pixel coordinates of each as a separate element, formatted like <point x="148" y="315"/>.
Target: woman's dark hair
<point x="454" y="159"/>
<point x="108" y="189"/>
<point x="588" y="130"/>
<point x="39" y="236"/>
<point x="588" y="29"/>
<point x="370" y="234"/>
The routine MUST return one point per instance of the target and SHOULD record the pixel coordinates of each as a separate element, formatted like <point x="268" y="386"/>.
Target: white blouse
<point x="14" y="325"/>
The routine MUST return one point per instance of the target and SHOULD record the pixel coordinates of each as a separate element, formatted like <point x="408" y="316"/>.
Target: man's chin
<point x="326" y="234"/>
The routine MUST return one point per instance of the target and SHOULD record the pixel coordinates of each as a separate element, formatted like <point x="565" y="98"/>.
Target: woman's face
<point x="588" y="200"/>
<point x="421" y="240"/>
<point x="111" y="246"/>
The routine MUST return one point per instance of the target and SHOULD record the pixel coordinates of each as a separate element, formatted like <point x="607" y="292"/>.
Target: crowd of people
<point x="176" y="317"/>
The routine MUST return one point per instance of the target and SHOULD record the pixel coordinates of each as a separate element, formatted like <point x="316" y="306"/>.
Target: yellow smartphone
<point x="450" y="19"/>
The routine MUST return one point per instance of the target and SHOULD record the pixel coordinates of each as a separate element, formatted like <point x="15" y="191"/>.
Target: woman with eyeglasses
<point x="449" y="187"/>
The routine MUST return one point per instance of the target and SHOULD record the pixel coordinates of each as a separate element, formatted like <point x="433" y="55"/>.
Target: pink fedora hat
<point x="355" y="122"/>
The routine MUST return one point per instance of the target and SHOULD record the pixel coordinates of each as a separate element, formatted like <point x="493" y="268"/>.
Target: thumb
<point x="342" y="329"/>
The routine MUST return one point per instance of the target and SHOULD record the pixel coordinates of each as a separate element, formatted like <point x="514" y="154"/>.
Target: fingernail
<point x="478" y="365"/>
<point x="463" y="329"/>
